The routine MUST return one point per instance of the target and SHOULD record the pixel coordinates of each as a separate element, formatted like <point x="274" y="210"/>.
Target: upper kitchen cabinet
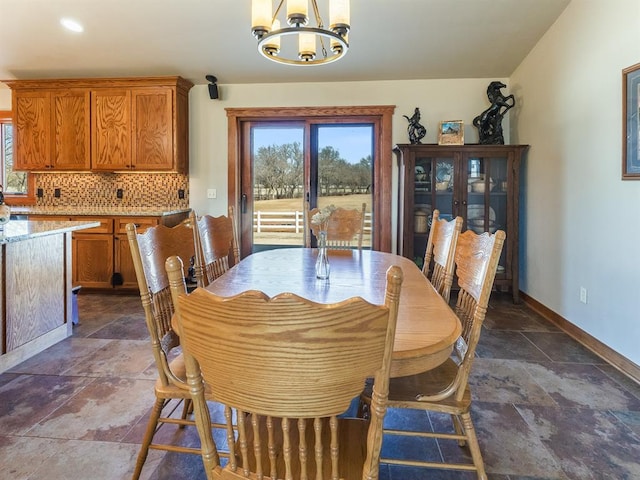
<point x="32" y="118"/>
<point x="117" y="124"/>
<point x="52" y="129"/>
<point x="71" y="140"/>
<point x="111" y="129"/>
<point x="152" y="126"/>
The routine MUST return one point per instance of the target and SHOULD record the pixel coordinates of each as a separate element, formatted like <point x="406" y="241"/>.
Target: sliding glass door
<point x="292" y="166"/>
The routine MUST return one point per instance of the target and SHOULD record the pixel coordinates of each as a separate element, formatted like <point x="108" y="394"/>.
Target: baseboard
<point x="618" y="361"/>
<point x="35" y="346"/>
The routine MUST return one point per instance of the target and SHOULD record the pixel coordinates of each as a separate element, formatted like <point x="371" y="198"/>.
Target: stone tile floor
<point x="544" y="406"/>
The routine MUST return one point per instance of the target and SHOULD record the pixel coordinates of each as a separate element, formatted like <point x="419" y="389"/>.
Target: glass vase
<point x="322" y="261"/>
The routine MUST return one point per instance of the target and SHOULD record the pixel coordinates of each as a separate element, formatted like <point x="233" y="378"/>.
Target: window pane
<point x="345" y="168"/>
<point x="278" y="207"/>
<point x="13" y="182"/>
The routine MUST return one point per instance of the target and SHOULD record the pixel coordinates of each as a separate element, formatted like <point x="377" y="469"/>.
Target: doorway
<point x="283" y="160"/>
<point x="287" y="180"/>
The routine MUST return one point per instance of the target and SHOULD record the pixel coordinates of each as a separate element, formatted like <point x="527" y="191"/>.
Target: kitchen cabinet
<point x="32" y="118"/>
<point x="101" y="258"/>
<point x="480" y="183"/>
<point x="126" y="274"/>
<point x="92" y="260"/>
<point x="70" y="125"/>
<point x="54" y="130"/>
<point x="91" y="251"/>
<point x="118" y="124"/>
<point x="152" y="129"/>
<point x="110" y="129"/>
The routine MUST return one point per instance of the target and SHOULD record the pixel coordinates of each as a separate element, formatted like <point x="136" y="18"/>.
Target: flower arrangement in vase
<point x="321" y="220"/>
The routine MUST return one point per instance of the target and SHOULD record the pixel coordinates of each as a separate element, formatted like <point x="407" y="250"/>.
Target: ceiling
<point x="389" y="40"/>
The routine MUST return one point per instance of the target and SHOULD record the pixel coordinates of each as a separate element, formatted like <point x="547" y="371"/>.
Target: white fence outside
<point x="292" y="222"/>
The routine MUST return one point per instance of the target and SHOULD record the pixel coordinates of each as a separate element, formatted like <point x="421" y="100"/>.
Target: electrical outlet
<point x="180" y="194"/>
<point x="40" y="193"/>
<point x="119" y="193"/>
<point x="583" y="295"/>
<point x="56" y="193"/>
<point x="211" y="193"/>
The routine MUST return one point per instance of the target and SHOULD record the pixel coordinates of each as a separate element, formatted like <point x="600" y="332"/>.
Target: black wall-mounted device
<point x="213" y="87"/>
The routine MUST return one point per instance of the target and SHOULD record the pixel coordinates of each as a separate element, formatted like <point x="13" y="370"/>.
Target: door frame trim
<point x="380" y="115"/>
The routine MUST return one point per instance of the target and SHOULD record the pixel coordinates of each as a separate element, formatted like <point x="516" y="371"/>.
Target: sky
<point x="353" y="142"/>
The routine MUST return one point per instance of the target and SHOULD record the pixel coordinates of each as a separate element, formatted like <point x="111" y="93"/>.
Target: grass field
<point x="292" y="204"/>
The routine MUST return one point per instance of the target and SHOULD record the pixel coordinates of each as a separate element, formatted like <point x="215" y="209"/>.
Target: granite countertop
<point x="19" y="230"/>
<point x="100" y="211"/>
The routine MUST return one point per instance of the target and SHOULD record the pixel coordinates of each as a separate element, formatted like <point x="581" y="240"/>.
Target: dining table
<point x="426" y="329"/>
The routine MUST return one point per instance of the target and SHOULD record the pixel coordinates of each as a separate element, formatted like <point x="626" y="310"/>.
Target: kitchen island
<point x="35" y="287"/>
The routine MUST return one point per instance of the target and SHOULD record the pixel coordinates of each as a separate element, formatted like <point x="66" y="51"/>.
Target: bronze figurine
<point x="416" y="131"/>
<point x="489" y="122"/>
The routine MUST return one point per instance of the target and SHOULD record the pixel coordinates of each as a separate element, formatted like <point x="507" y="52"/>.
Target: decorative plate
<point x="477" y="212"/>
<point x="444" y="172"/>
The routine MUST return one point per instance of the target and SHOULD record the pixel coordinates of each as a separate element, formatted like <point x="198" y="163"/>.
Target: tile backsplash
<point x="101" y="189"/>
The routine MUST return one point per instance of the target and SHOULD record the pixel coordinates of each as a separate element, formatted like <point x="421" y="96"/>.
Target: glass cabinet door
<point x="434" y="181"/>
<point x="487" y="205"/>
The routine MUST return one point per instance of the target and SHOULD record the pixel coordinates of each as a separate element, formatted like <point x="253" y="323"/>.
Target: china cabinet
<point x="480" y="183"/>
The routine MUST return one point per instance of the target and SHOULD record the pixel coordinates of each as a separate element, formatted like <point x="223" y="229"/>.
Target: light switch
<point x="211" y="193"/>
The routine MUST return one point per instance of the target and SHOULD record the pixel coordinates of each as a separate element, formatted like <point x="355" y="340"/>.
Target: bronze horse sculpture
<point x="489" y="122"/>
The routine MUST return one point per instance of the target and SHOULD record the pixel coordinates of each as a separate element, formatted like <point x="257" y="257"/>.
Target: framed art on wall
<point x="631" y="122"/>
<point x="451" y="132"/>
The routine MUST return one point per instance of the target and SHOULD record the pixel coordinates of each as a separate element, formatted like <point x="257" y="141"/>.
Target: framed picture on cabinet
<point x="451" y="132"/>
<point x="631" y="123"/>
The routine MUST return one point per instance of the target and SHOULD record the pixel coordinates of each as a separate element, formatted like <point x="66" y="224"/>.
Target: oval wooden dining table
<point x="427" y="327"/>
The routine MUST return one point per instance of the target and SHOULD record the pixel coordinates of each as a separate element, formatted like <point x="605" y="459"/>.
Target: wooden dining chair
<point x="445" y="389"/>
<point x="287" y="368"/>
<point x="149" y="250"/>
<point x="345" y="228"/>
<point x="216" y="244"/>
<point x="441" y="246"/>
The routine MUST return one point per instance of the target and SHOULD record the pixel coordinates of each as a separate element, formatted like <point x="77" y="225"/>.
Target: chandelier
<point x="278" y="44"/>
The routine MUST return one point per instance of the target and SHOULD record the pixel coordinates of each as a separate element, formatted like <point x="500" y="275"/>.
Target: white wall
<point x="437" y="99"/>
<point x="5" y="98"/>
<point x="582" y="223"/>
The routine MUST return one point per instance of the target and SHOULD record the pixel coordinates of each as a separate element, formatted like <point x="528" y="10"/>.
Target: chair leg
<point x="474" y="447"/>
<point x="457" y="426"/>
<point x="156" y="411"/>
<point x="187" y="409"/>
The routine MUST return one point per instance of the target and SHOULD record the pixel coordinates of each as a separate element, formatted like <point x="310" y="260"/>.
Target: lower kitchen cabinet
<point x="124" y="273"/>
<point x="92" y="260"/>
<point x="101" y="258"/>
<point x="92" y="254"/>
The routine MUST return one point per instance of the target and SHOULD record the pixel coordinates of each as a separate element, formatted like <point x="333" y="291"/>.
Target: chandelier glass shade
<point x="316" y="44"/>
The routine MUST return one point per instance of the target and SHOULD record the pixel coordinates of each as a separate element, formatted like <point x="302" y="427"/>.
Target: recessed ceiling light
<point x="72" y="25"/>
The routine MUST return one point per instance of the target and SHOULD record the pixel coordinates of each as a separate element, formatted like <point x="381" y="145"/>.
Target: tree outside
<point x="278" y="187"/>
<point x="278" y="173"/>
<point x="14" y="182"/>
